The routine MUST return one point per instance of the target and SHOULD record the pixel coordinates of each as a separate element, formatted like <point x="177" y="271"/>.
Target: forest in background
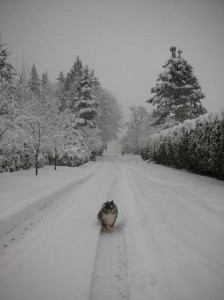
<point x="64" y="123"/>
<point x="71" y="121"/>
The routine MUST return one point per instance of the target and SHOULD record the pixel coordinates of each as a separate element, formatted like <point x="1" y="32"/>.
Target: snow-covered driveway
<point x="168" y="243"/>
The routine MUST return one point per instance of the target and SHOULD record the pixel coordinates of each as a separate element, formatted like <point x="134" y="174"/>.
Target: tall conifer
<point x="177" y="93"/>
<point x="34" y="81"/>
<point x="86" y="104"/>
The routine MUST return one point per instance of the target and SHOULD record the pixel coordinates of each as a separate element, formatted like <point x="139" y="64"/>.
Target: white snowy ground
<point x="168" y="242"/>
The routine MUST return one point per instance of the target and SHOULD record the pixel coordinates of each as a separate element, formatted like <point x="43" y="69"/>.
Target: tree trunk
<point x="38" y="148"/>
<point x="55" y="159"/>
<point x="36" y="163"/>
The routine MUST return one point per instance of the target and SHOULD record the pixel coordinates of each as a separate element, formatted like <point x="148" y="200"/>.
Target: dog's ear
<point x="112" y="202"/>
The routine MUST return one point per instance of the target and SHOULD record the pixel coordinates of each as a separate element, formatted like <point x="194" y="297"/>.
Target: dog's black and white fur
<point x="108" y="215"/>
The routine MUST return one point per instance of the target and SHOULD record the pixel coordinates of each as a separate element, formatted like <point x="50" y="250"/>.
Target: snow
<point x="22" y="192"/>
<point x="113" y="148"/>
<point x="167" y="244"/>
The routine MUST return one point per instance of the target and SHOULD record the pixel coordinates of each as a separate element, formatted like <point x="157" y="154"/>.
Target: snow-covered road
<point x="168" y="242"/>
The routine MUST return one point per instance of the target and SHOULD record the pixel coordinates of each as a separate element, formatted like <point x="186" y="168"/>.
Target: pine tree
<point x="71" y="82"/>
<point x="94" y="80"/>
<point x="8" y="105"/>
<point x="44" y="79"/>
<point x="76" y="71"/>
<point x="85" y="104"/>
<point x="60" y="91"/>
<point x="61" y="78"/>
<point x="34" y="81"/>
<point x="67" y="82"/>
<point x="73" y="77"/>
<point x="6" y="69"/>
<point x="177" y="93"/>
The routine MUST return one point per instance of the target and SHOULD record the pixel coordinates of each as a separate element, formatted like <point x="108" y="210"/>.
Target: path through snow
<point x="168" y="242"/>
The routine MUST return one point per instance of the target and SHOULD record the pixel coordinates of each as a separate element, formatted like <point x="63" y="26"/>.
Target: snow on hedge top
<point x="189" y="125"/>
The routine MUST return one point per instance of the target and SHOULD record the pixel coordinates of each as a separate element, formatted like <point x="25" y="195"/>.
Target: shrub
<point x="73" y="157"/>
<point x="197" y="145"/>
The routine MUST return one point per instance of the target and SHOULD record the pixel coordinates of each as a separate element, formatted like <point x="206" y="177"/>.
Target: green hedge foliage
<point x="196" y="145"/>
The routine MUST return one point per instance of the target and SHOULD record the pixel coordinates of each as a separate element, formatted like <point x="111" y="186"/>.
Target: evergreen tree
<point x="6" y="69"/>
<point x="73" y="77"/>
<point x="61" y="78"/>
<point x="8" y="105"/>
<point x="77" y="95"/>
<point x="60" y="91"/>
<point x="177" y="93"/>
<point x="44" y="79"/>
<point x="34" y="81"/>
<point x="85" y="104"/>
<point x="72" y="82"/>
<point x="94" y="80"/>
<point x="76" y="71"/>
<point x="67" y="82"/>
<point x="47" y="89"/>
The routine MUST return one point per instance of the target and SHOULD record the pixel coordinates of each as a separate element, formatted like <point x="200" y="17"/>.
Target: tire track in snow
<point x="145" y="278"/>
<point x="109" y="275"/>
<point x="56" y="230"/>
<point x="42" y="208"/>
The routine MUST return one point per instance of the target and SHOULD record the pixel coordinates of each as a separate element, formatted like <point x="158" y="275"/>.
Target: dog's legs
<point x="103" y="227"/>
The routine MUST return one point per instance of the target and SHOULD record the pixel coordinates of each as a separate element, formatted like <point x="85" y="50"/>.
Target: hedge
<point x="15" y="158"/>
<point x="196" y="145"/>
<point x="73" y="157"/>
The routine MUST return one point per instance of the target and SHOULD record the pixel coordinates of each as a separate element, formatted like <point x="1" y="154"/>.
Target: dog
<point x="107" y="216"/>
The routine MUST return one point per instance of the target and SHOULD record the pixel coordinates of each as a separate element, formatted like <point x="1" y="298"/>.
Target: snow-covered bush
<point x="197" y="145"/>
<point x="73" y="157"/>
<point x="10" y="162"/>
<point x="3" y="163"/>
<point x="26" y="157"/>
<point x="93" y="141"/>
<point x="42" y="161"/>
<point x="15" y="157"/>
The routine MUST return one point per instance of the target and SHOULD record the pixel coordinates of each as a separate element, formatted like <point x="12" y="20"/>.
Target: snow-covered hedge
<point x="15" y="157"/>
<point x="197" y="145"/>
<point x="73" y="157"/>
<point x="19" y="156"/>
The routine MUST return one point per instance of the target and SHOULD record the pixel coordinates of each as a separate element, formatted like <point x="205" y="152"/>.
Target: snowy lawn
<point x="168" y="242"/>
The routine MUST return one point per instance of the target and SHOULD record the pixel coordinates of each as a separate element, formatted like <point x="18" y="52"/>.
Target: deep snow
<point x="168" y="242"/>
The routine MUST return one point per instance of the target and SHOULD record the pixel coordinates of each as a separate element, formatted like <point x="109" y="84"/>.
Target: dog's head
<point x="109" y="207"/>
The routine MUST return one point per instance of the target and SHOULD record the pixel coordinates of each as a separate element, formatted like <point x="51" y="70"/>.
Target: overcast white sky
<point x="126" y="42"/>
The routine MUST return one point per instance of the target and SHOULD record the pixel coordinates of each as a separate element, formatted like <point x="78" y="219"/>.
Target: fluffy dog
<point x="108" y="215"/>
